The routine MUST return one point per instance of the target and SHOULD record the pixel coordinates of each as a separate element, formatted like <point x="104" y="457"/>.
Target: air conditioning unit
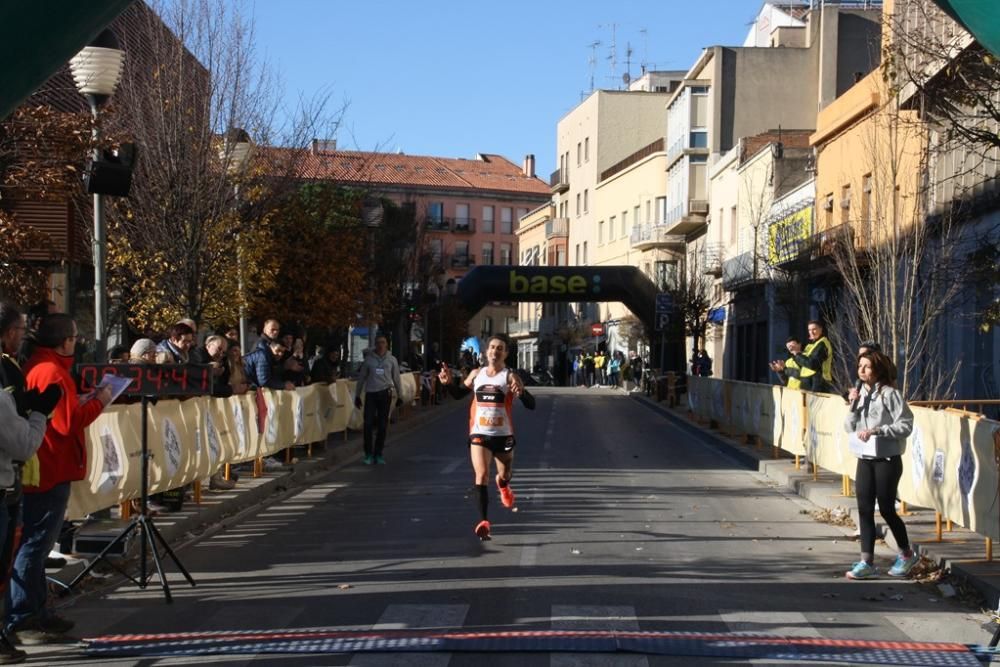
<point x="845" y="202"/>
<point x="699" y="206"/>
<point x="828" y="205"/>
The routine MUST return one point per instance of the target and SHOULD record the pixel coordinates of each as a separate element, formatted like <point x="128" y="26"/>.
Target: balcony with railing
<point x="464" y="225"/>
<point x="528" y="327"/>
<point x="743" y="271"/>
<point x="462" y="261"/>
<point x="713" y="258"/>
<point x="559" y="181"/>
<point x="687" y="219"/>
<point x="438" y="224"/>
<point x="556" y="228"/>
<point x="645" y="237"/>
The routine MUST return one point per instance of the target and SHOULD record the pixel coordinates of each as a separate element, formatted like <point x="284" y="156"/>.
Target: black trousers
<point x="878" y="479"/>
<point x="376" y="417"/>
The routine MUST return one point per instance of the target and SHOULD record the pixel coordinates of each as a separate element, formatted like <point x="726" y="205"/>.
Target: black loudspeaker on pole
<point x="112" y="173"/>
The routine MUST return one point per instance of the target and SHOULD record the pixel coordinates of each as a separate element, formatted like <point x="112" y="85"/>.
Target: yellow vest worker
<point x="816" y="364"/>
<point x="791" y="374"/>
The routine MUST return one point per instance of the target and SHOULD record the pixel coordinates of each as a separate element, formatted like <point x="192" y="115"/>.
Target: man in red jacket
<point x="62" y="459"/>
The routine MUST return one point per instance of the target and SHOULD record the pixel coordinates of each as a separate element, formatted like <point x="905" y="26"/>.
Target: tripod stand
<point x="149" y="536"/>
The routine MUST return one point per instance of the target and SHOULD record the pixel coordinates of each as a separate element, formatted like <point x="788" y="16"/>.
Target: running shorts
<point x="498" y="444"/>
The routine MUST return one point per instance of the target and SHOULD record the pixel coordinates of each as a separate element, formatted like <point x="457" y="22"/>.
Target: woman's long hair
<point x="883" y="370"/>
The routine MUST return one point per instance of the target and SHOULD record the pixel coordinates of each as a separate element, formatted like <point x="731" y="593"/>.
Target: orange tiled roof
<point x="488" y="172"/>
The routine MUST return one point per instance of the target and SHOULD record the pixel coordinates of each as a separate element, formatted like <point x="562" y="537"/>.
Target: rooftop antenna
<point x="614" y="53"/>
<point x="627" y="76"/>
<point x="645" y="49"/>
<point x="592" y="62"/>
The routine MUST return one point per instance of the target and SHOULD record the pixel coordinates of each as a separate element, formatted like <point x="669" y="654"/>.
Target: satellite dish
<point x="626" y="77"/>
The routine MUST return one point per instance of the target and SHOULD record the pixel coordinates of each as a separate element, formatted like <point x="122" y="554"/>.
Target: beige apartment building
<point x="610" y="140"/>
<point x="534" y="328"/>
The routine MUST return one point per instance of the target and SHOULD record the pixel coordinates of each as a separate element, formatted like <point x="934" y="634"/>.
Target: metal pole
<point x="239" y="286"/>
<point x="100" y="243"/>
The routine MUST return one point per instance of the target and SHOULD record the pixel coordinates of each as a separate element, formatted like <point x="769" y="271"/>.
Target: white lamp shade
<point x="97" y="70"/>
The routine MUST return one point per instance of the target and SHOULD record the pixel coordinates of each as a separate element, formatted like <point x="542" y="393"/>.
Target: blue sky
<point x="455" y="78"/>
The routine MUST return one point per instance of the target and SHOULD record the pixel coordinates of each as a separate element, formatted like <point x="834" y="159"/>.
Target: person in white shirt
<point x="491" y="429"/>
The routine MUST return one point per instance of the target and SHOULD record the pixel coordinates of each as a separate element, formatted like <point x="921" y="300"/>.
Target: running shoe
<point x="903" y="565"/>
<point x="368" y="460"/>
<point x="862" y="570"/>
<point x="483" y="530"/>
<point x="506" y="494"/>
<point x="379" y="460"/>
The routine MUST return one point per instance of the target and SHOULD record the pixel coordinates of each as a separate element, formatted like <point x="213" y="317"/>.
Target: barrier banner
<point x="248" y="434"/>
<point x="171" y="439"/>
<point x="792" y="435"/>
<point x="342" y="393"/>
<point x="113" y="462"/>
<point x="306" y="407"/>
<point x="221" y="436"/>
<point x="740" y="408"/>
<point x="409" y="381"/>
<point x="761" y="410"/>
<point x="980" y="475"/>
<point x="943" y="465"/>
<point x="826" y="441"/>
<point x="699" y="398"/>
<point x="279" y="427"/>
<point x="199" y="460"/>
<point x="717" y="400"/>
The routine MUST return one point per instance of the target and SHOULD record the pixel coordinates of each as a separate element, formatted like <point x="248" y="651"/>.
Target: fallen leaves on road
<point x="837" y="516"/>
<point x="933" y="578"/>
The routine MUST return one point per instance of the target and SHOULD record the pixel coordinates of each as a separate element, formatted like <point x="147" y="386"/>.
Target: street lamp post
<point x="236" y="156"/>
<point x="96" y="70"/>
<point x="372" y="214"/>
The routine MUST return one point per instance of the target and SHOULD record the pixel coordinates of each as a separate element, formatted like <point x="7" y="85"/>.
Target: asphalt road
<point x="623" y="521"/>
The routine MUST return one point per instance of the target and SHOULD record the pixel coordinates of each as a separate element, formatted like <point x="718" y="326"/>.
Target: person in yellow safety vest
<point x="788" y="370"/>
<point x="816" y="360"/>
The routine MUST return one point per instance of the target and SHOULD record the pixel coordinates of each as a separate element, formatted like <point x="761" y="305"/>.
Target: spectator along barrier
<point x="190" y="439"/>
<point x="950" y="464"/>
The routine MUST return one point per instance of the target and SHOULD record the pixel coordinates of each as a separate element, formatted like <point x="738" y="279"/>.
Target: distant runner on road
<point x="491" y="429"/>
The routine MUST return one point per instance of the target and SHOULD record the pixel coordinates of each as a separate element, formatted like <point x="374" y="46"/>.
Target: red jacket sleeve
<point x="70" y="416"/>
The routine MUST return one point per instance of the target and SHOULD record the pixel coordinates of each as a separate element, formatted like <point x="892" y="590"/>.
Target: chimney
<point x="323" y="146"/>
<point x="529" y="165"/>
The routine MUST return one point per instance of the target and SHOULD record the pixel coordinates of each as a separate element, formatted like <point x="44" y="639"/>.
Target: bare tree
<point x="194" y="228"/>
<point x="901" y="270"/>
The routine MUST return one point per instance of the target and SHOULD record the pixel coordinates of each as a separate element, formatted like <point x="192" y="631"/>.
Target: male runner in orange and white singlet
<point x="491" y="431"/>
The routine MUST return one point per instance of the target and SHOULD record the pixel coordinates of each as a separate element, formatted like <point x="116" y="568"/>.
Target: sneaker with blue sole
<point x="903" y="565"/>
<point x="862" y="570"/>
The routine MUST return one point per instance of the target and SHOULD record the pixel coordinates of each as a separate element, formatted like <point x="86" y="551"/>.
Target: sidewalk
<point x="217" y="508"/>
<point x="960" y="552"/>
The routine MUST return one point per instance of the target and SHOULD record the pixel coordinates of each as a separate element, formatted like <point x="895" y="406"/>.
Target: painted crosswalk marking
<point x="595" y="617"/>
<point x="424" y="616"/>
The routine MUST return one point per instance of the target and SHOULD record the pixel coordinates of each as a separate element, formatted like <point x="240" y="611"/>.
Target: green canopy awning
<point x="37" y="37"/>
<point x="980" y="17"/>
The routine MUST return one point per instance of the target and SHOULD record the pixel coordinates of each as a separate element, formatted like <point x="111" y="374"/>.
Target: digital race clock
<point x="150" y="379"/>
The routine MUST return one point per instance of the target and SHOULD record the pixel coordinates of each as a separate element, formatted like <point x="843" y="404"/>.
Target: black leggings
<point x="879" y="479"/>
